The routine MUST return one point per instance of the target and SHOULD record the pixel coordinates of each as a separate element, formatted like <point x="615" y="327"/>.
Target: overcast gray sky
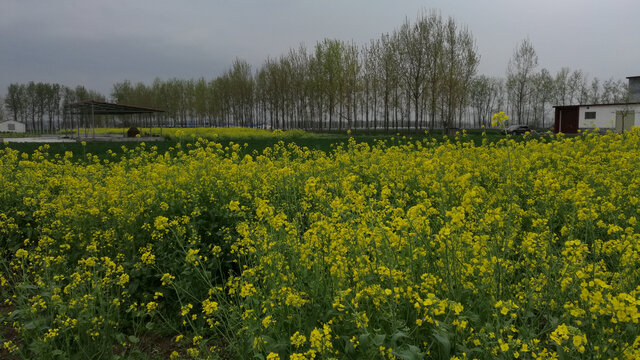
<point x="98" y="43"/>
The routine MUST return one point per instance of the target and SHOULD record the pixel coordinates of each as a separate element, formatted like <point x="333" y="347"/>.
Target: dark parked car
<point x="518" y="129"/>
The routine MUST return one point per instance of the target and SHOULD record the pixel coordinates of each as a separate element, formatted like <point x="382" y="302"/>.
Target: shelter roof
<point x="105" y="108"/>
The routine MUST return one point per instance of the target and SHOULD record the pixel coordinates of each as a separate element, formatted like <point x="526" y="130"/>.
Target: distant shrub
<point x="133" y="132"/>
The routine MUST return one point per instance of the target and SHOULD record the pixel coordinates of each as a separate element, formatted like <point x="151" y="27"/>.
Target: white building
<point x="609" y="116"/>
<point x="12" y="126"/>
<point x="620" y="117"/>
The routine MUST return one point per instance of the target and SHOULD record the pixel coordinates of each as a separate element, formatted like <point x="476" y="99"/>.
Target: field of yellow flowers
<point x="218" y="133"/>
<point x="435" y="250"/>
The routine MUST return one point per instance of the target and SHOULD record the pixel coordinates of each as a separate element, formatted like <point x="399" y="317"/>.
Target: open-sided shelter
<point x="83" y="115"/>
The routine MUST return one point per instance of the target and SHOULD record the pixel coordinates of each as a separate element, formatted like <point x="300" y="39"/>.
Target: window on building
<point x="12" y="127"/>
<point x="590" y="115"/>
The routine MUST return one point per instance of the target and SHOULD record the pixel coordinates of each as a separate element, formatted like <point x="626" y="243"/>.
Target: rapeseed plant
<point x="525" y="249"/>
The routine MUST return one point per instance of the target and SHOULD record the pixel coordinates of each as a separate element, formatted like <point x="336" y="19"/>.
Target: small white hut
<point x="12" y="126"/>
<point x="621" y="117"/>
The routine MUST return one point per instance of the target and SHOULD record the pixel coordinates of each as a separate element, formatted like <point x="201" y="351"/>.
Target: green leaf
<point x="379" y="339"/>
<point x="27" y="287"/>
<point x="133" y="339"/>
<point x="349" y="348"/>
<point x="411" y="353"/>
<point x="364" y="340"/>
<point x="30" y="325"/>
<point x="397" y="336"/>
<point x="15" y="313"/>
<point x="445" y="344"/>
<point x="134" y="285"/>
<point x="120" y="337"/>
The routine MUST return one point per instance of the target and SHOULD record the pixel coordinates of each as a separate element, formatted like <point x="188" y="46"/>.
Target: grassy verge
<point x="251" y="140"/>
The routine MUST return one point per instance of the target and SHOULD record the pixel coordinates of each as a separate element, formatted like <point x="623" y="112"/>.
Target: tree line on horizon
<point x="39" y="105"/>
<point x="423" y="75"/>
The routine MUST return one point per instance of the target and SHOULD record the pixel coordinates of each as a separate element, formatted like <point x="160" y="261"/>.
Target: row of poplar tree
<point x="422" y="75"/>
<point x="416" y="77"/>
<point x="40" y="105"/>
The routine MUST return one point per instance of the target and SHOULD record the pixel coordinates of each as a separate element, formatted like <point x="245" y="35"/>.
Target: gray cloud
<point x="97" y="43"/>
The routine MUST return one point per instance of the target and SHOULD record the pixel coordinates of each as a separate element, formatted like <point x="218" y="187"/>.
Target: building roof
<point x="633" y="77"/>
<point x="14" y="121"/>
<point x="594" y="105"/>
<point x="105" y="108"/>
